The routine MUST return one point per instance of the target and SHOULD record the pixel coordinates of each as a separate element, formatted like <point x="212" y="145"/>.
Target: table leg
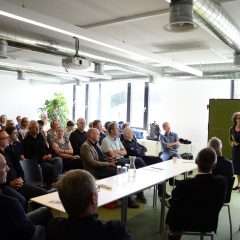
<point x="155" y="196"/>
<point x="30" y="206"/>
<point x="162" y="214"/>
<point x="124" y="209"/>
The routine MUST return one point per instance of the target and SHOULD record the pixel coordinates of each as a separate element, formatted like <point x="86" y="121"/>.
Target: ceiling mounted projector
<point x="76" y="62"/>
<point x="181" y="16"/>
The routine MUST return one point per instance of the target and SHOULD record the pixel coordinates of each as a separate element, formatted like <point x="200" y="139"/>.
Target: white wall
<point x="19" y="97"/>
<point x="184" y="105"/>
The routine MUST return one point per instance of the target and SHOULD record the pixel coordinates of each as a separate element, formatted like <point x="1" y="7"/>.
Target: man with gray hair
<point x="224" y="166"/>
<point x="78" y="193"/>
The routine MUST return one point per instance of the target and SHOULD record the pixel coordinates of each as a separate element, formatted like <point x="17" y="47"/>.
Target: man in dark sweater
<point x="80" y="202"/>
<point x="196" y="202"/>
<point x="35" y="148"/>
<point x="224" y="166"/>
<point x="79" y="136"/>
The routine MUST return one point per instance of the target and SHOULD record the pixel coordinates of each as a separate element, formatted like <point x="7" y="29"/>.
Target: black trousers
<point x="24" y="193"/>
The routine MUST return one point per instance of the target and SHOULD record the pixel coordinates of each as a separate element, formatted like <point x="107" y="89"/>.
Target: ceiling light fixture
<point x="181" y="16"/>
<point x="86" y="35"/>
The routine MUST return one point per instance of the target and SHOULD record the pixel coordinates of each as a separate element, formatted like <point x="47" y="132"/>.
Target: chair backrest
<point x="230" y="183"/>
<point x="32" y="172"/>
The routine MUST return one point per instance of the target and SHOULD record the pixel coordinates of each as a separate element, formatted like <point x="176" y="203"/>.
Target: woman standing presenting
<point x="235" y="142"/>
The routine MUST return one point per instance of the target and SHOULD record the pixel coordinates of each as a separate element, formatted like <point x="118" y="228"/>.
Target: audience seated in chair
<point x="93" y="159"/>
<point x="196" y="202"/>
<point x="170" y="143"/>
<point x="224" y="166"/>
<point x="15" y="145"/>
<point x="133" y="148"/>
<point x="15" y="185"/>
<point x="63" y="148"/>
<point x="69" y="129"/>
<point x="23" y="130"/>
<point x="42" y="132"/>
<point x="35" y="148"/>
<point x="98" y="124"/>
<point x="51" y="134"/>
<point x="78" y="136"/>
<point x="113" y="148"/>
<point x="15" y="225"/>
<point x="80" y="202"/>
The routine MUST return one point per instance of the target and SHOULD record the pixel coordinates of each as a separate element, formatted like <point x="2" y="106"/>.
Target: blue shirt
<point x="169" y="138"/>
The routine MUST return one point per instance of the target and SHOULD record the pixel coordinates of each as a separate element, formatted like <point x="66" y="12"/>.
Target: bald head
<point x="3" y="169"/>
<point x="33" y="127"/>
<point x="81" y="124"/>
<point x="93" y="135"/>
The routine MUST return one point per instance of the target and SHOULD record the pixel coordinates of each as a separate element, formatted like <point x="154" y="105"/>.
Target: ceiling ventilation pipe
<point x="181" y="16"/>
<point x="216" y="19"/>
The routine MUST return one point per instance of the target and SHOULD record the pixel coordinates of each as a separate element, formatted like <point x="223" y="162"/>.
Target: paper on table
<point x="187" y="161"/>
<point x="55" y="201"/>
<point x="158" y="168"/>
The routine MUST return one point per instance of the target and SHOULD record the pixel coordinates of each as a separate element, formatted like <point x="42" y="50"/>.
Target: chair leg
<point x="201" y="237"/>
<point x="212" y="237"/>
<point x="230" y="221"/>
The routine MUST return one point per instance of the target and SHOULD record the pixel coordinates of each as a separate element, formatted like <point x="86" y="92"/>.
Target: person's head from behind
<point x="33" y="128"/>
<point x="206" y="160"/>
<point x="236" y="118"/>
<point x="81" y="124"/>
<point x="78" y="193"/>
<point x="128" y="134"/>
<point x="166" y="127"/>
<point x="106" y="125"/>
<point x="3" y="169"/>
<point x="216" y="144"/>
<point x="97" y="124"/>
<point x="93" y="135"/>
<point x="113" y="129"/>
<point x="70" y="125"/>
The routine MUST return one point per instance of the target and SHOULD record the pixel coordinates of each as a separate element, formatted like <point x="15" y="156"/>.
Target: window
<point x="113" y="102"/>
<point x="80" y="101"/>
<point x="137" y="107"/>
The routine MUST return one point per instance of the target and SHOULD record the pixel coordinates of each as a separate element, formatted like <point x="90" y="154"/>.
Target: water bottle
<point x="132" y="168"/>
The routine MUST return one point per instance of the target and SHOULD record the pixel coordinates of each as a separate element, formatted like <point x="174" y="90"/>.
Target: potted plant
<point x="56" y="108"/>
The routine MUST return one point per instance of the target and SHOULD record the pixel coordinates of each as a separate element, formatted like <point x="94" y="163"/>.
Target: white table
<point x="123" y="186"/>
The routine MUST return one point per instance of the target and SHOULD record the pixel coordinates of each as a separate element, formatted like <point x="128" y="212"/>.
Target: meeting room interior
<point x="139" y="99"/>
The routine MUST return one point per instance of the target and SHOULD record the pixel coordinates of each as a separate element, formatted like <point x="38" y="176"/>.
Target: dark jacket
<point x="35" y="148"/>
<point x="13" y="221"/>
<point x="88" y="228"/>
<point x="15" y="169"/>
<point x="196" y="203"/>
<point x="77" y="138"/>
<point x="133" y="148"/>
<point x="224" y="167"/>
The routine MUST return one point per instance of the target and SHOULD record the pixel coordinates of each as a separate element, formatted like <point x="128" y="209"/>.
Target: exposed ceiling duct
<point x="220" y="23"/>
<point x="181" y="16"/>
<point x="3" y="49"/>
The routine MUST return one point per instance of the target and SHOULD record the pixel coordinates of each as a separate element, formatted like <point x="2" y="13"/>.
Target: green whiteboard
<point x="220" y="121"/>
